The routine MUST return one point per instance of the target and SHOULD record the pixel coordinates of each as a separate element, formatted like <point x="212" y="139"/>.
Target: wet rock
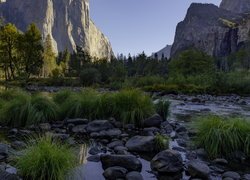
<point x="60" y="136"/>
<point x="4" y="149"/>
<point x="111" y="133"/>
<point x="180" y="129"/>
<point x="76" y="122"/>
<point x="231" y="174"/>
<point x="99" y="125"/>
<point x="10" y="169"/>
<point x="242" y="102"/>
<point x="7" y="176"/>
<point x="134" y="176"/>
<point x="18" y="145"/>
<point x="45" y="127"/>
<point x="121" y="150"/>
<point x="201" y="153"/>
<point x="153" y="121"/>
<point x="114" y="173"/>
<point x="197" y="100"/>
<point x="220" y="161"/>
<point x="129" y="126"/>
<point x="113" y="144"/>
<point x="95" y="150"/>
<point x="79" y="129"/>
<point x="167" y="162"/>
<point x="95" y="158"/>
<point x="167" y="127"/>
<point x="129" y="162"/>
<point x="198" y="169"/>
<point x="141" y="144"/>
<point x="150" y="131"/>
<point x="13" y="131"/>
<point x="246" y="177"/>
<point x="181" y="142"/>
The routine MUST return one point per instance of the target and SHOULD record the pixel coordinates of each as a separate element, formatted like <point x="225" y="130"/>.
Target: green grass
<point x="162" y="108"/>
<point x="62" y="96"/>
<point x="46" y="160"/>
<point x="161" y="142"/>
<point x="223" y="136"/>
<point x="132" y="106"/>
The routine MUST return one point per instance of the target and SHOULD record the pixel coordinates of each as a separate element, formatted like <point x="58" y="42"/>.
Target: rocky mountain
<point x="66" y="21"/>
<point x="163" y="52"/>
<point x="218" y="31"/>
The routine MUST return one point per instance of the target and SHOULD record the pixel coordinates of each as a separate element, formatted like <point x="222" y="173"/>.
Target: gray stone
<point x="4" y="149"/>
<point x="154" y="121"/>
<point x="18" y="145"/>
<point x="167" y="162"/>
<point x="134" y="176"/>
<point x="150" y="131"/>
<point x="79" y="129"/>
<point x="45" y="127"/>
<point x="7" y="176"/>
<point x="95" y="150"/>
<point x="95" y="158"/>
<point x="110" y="133"/>
<point x="114" y="173"/>
<point x="114" y="144"/>
<point x="246" y="177"/>
<point x="220" y="161"/>
<point x="129" y="162"/>
<point x="99" y="125"/>
<point x="198" y="169"/>
<point x="76" y="122"/>
<point x="231" y="174"/>
<point x="141" y="144"/>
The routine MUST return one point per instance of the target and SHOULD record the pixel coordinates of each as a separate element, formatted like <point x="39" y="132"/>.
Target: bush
<point x="132" y="106"/>
<point x="223" y="136"/>
<point x="161" y="142"/>
<point x="147" y="81"/>
<point x="45" y="160"/>
<point x="61" y="96"/>
<point x="162" y="108"/>
<point x="90" y="76"/>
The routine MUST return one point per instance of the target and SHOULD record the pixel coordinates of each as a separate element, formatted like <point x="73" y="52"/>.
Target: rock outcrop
<point x="238" y="6"/>
<point x="66" y="21"/>
<point x="163" y="53"/>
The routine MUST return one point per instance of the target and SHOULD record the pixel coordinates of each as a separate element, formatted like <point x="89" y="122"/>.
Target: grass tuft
<point x="46" y="159"/>
<point x="161" y="142"/>
<point x="162" y="108"/>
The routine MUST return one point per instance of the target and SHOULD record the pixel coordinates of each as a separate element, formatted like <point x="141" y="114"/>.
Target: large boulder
<point x="99" y="125"/>
<point x="153" y="121"/>
<point x="129" y="162"/>
<point x="167" y="162"/>
<point x="114" y="173"/>
<point x="134" y="176"/>
<point x="141" y="144"/>
<point x="4" y="149"/>
<point x="79" y="129"/>
<point x="7" y="176"/>
<point x="198" y="169"/>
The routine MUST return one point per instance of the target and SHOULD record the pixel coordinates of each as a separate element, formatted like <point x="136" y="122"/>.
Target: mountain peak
<point x="237" y="6"/>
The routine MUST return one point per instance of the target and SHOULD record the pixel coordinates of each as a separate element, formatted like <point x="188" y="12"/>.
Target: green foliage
<point x="132" y="106"/>
<point x="46" y="159"/>
<point x="89" y="76"/>
<point x="161" y="142"/>
<point x="162" y="108"/>
<point x="223" y="136"/>
<point x="62" y="96"/>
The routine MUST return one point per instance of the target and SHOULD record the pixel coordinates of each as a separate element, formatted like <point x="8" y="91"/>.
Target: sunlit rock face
<point x="67" y="21"/>
<point x="238" y="6"/>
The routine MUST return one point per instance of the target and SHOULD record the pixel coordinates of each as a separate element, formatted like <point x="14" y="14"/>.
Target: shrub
<point x="81" y="105"/>
<point x="162" y="108"/>
<point x="147" y="81"/>
<point x="43" y="110"/>
<point x="45" y="160"/>
<point x="8" y="95"/>
<point x="61" y="96"/>
<point x="89" y="76"/>
<point x="223" y="136"/>
<point x="161" y="142"/>
<point x="132" y="106"/>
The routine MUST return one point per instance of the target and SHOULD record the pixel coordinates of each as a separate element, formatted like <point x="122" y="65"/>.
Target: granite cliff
<point x="218" y="31"/>
<point x="66" y="21"/>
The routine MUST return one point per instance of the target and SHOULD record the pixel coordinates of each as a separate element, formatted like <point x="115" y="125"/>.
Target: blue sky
<point x="134" y="26"/>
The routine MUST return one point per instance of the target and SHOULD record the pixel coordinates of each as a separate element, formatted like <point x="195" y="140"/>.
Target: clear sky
<point x="134" y="26"/>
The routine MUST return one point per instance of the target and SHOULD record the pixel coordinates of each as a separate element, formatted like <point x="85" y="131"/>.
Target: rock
<point x="45" y="127"/>
<point x="114" y="144"/>
<point x="154" y="121"/>
<point x="79" y="129"/>
<point x="95" y="150"/>
<point x="242" y="102"/>
<point x="150" y="131"/>
<point x="121" y="150"/>
<point x="180" y="129"/>
<point x="221" y="161"/>
<point x="167" y="162"/>
<point x="4" y="149"/>
<point x="13" y="131"/>
<point x="167" y="127"/>
<point x="134" y="176"/>
<point x="111" y="133"/>
<point x="114" y="173"/>
<point x="95" y="158"/>
<point x="18" y="145"/>
<point x="75" y="29"/>
<point x="239" y="6"/>
<point x="198" y="169"/>
<point x="129" y="162"/>
<point x="11" y="169"/>
<point x="231" y="174"/>
<point x="76" y="122"/>
<point x="181" y="142"/>
<point x="141" y="144"/>
<point x="7" y="176"/>
<point x="246" y="177"/>
<point x="99" y="125"/>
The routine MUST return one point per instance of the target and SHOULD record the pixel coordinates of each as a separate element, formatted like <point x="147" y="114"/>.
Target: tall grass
<point x="45" y="160"/>
<point x="161" y="142"/>
<point x="163" y="108"/>
<point x="62" y="96"/>
<point x="132" y="106"/>
<point x="223" y="136"/>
